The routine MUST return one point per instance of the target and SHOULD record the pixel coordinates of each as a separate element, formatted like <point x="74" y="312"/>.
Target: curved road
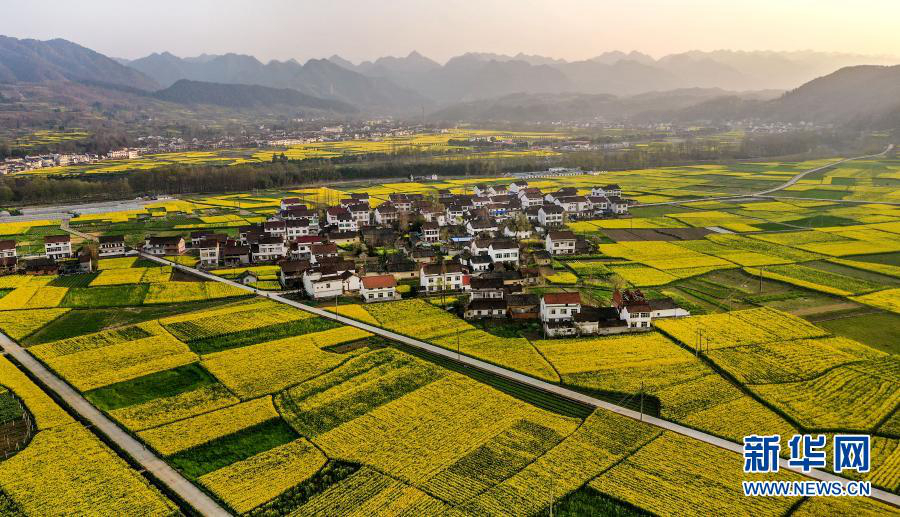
<point x="880" y="495"/>
<point x="783" y="186"/>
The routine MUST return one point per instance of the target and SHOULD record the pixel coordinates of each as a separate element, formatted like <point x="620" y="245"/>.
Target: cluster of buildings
<point x="30" y="163"/>
<point x="59" y="257"/>
<point x="485" y="248"/>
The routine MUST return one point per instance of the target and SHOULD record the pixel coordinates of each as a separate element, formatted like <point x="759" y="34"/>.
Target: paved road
<point x="524" y="379"/>
<point x="800" y="176"/>
<point x="140" y="454"/>
<point x="783" y="186"/>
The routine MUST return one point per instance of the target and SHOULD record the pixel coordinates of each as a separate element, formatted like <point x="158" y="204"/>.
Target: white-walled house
<point x="550" y="216"/>
<point x="504" y="251"/>
<point x="379" y="288"/>
<point x="441" y="277"/>
<point x="559" y="306"/>
<point x="111" y="246"/>
<point x="58" y="247"/>
<point x="560" y="243"/>
<point x="209" y="252"/>
<point x="8" y="248"/>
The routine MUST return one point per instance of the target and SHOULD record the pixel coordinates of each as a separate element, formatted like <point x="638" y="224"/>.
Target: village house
<point x="401" y="202"/>
<point x="360" y="213"/>
<point x="111" y="246"/>
<point x="291" y="202"/>
<point x="161" y="246"/>
<point x="380" y="288"/>
<point x="441" y="277"/>
<point x="602" y="320"/>
<point x="210" y="252"/>
<point x="479" y="263"/>
<point x="617" y="205"/>
<point x="607" y="190"/>
<point x="557" y="313"/>
<point x="58" y="247"/>
<point x="560" y="243"/>
<point x="481" y="227"/>
<point x="430" y="232"/>
<point x="268" y="249"/>
<point x="633" y="307"/>
<point x="504" y="251"/>
<point x="386" y="214"/>
<point x="8" y="257"/>
<point x="291" y="274"/>
<point x="322" y="251"/>
<point x="552" y="197"/>
<point x="479" y="246"/>
<point x="234" y="254"/>
<point x="319" y="286"/>
<point x="297" y="228"/>
<point x="485" y="308"/>
<point x="486" y="288"/>
<point x="666" y="308"/>
<point x="517" y="186"/>
<point x="523" y="306"/>
<point x="550" y="216"/>
<point x="276" y="229"/>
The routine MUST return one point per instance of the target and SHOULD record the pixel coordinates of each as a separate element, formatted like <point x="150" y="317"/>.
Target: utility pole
<point x="642" y="401"/>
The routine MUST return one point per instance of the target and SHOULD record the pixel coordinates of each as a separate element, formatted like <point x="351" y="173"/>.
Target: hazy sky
<point x="365" y="29"/>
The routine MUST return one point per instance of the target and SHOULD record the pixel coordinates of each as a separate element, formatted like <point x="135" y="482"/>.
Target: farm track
<point x="526" y="380"/>
<point x="142" y="456"/>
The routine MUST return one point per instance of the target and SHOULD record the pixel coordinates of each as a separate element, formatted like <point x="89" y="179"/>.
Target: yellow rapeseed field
<point x="191" y="432"/>
<point x="164" y="410"/>
<point x="68" y="471"/>
<point x="676" y="475"/>
<point x="249" y="483"/>
<point x="268" y="367"/>
<point x="737" y="328"/>
<point x="96" y="367"/>
<point x="889" y="299"/>
<point x="22" y="323"/>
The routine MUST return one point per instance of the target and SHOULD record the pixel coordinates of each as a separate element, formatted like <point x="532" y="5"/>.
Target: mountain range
<point x="719" y="85"/>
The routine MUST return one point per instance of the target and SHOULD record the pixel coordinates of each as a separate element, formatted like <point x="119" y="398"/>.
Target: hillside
<point x="29" y="60"/>
<point x="583" y="107"/>
<point x="245" y="96"/>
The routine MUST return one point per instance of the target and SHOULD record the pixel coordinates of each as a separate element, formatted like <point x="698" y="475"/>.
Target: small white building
<point x="441" y="277"/>
<point x="550" y="216"/>
<point x="111" y="246"/>
<point x="268" y="249"/>
<point x="380" y="288"/>
<point x="560" y="243"/>
<point x="505" y="251"/>
<point x="58" y="247"/>
<point x="431" y="232"/>
<point x="560" y="306"/>
<point x="209" y="252"/>
<point x="8" y="248"/>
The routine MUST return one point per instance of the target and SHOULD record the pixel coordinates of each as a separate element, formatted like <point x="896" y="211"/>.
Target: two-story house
<point x="560" y="242"/>
<point x="505" y="251"/>
<point x="58" y="247"/>
<point x="441" y="277"/>
<point x="550" y="216"/>
<point x="161" y="246"/>
<point x="111" y="246"/>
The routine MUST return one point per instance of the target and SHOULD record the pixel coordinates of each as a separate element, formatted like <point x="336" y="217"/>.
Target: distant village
<point x="485" y="248"/>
